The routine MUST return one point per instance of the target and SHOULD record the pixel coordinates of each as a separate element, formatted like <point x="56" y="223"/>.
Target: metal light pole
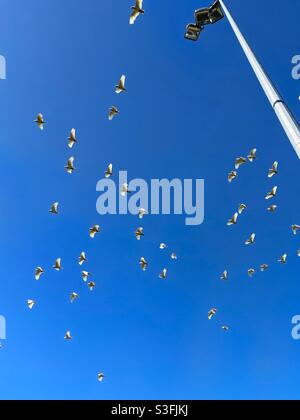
<point x="285" y="116"/>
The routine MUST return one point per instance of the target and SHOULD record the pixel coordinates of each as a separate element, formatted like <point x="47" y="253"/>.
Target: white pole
<point x="283" y="113"/>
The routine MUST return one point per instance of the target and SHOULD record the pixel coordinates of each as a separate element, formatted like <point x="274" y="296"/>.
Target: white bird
<point x="91" y="285"/>
<point x="74" y="296"/>
<point x="139" y="233"/>
<point x="251" y="240"/>
<point x="212" y="313"/>
<point x="70" y="168"/>
<point x="54" y="208"/>
<point x="272" y="208"/>
<point x="40" y="121"/>
<point x="264" y="267"/>
<point x="68" y="336"/>
<point x="109" y="171"/>
<point x="274" y="170"/>
<point x="174" y="256"/>
<point x="232" y="175"/>
<point x="113" y="111"/>
<point x="85" y="275"/>
<point x="143" y="264"/>
<point x="225" y="328"/>
<point x="31" y="303"/>
<point x="142" y="213"/>
<point x="272" y="193"/>
<point x="251" y="272"/>
<point x="94" y="230"/>
<point x="233" y="220"/>
<point x="39" y="271"/>
<point x="120" y="87"/>
<point x="124" y="190"/>
<point x="164" y="274"/>
<point x="57" y="266"/>
<point x="283" y="259"/>
<point x="298" y="253"/>
<point x="242" y="208"/>
<point x="72" y="138"/>
<point x="163" y="246"/>
<point x="239" y="162"/>
<point x="224" y="276"/>
<point x="252" y="155"/>
<point x="137" y="10"/>
<point x="101" y="377"/>
<point x="295" y="229"/>
<point x="82" y="258"/>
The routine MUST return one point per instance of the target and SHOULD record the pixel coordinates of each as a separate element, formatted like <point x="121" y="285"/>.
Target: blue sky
<point x="190" y="110"/>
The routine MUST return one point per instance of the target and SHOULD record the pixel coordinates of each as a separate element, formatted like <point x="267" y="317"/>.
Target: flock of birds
<point x="273" y="171"/>
<point x="94" y="230"/>
<point x="137" y="10"/>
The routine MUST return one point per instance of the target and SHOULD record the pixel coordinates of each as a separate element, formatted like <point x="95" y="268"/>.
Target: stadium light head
<point x="193" y="32"/>
<point x="215" y="12"/>
<point x="202" y="17"/>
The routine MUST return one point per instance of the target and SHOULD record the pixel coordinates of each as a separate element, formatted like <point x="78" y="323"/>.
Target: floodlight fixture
<point x="202" y="17"/>
<point x="193" y="32"/>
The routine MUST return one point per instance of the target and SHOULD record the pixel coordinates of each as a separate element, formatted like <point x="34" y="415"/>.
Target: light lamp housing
<point x="193" y="32"/>
<point x="215" y="12"/>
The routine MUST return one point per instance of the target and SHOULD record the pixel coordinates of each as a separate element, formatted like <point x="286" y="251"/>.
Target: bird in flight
<point x="74" y="296"/>
<point x="57" y="266"/>
<point x="137" y="10"/>
<point x="85" y="275"/>
<point x="139" y="233"/>
<point x="295" y="229"/>
<point x="70" y="166"/>
<point x="164" y="274"/>
<point x="31" y="303"/>
<point x="212" y="313"/>
<point x="38" y="273"/>
<point x="239" y="162"/>
<point x="224" y="276"/>
<point x="143" y="264"/>
<point x="242" y="208"/>
<point x="113" y="111"/>
<point x="68" y="336"/>
<point x="91" y="285"/>
<point x="72" y="138"/>
<point x="252" y="155"/>
<point x="120" y="87"/>
<point x="142" y="213"/>
<point x="124" y="190"/>
<point x="272" y="193"/>
<point x="274" y="170"/>
<point x="283" y="259"/>
<point x="232" y="175"/>
<point x="54" y="208"/>
<point x="272" y="208"/>
<point x="174" y="256"/>
<point x="109" y="171"/>
<point x="82" y="258"/>
<point x="251" y="240"/>
<point x="264" y="267"/>
<point x="225" y="328"/>
<point x="233" y="220"/>
<point x="94" y="230"/>
<point x="40" y="121"/>
<point x="101" y="377"/>
<point x="163" y="246"/>
<point x="251" y="272"/>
